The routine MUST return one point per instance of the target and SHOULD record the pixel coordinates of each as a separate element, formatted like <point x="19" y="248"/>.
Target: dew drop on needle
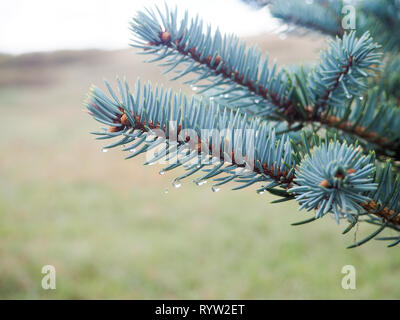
<point x="176" y="183"/>
<point x="201" y="182"/>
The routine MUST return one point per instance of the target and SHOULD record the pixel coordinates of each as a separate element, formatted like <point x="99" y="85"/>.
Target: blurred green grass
<point x="110" y="229"/>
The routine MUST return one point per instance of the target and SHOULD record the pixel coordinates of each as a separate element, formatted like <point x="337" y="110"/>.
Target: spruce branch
<point x="380" y="17"/>
<point x="343" y="67"/>
<point x="249" y="129"/>
<point x="138" y="115"/>
<point x="325" y="176"/>
<point x="372" y="120"/>
<point x="232" y="70"/>
<point x="388" y="80"/>
<point x="223" y="61"/>
<point x="321" y="15"/>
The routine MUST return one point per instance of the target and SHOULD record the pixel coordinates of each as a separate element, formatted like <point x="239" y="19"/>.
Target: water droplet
<point x="215" y="189"/>
<point x="176" y="183"/>
<point x="256" y="101"/>
<point x="211" y="98"/>
<point x="105" y="150"/>
<point x="194" y="88"/>
<point x="201" y="182"/>
<point x="361" y="98"/>
<point x="161" y="172"/>
<point x="260" y="191"/>
<point x="226" y="95"/>
<point x="132" y="150"/>
<point x="349" y="96"/>
<point x="166" y="191"/>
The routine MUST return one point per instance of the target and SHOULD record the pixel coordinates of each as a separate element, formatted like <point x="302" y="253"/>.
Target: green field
<point x="110" y="229"/>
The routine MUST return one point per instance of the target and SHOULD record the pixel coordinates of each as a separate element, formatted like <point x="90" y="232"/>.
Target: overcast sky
<point x="41" y="25"/>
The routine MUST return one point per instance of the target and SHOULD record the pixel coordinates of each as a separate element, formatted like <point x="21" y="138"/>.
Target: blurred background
<point x="115" y="229"/>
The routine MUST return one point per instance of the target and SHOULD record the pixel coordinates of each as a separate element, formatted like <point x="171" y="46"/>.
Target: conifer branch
<point x="336" y="79"/>
<point x="346" y="184"/>
<point x="380" y="17"/>
<point x="222" y="60"/>
<point x="239" y="135"/>
<point x="371" y="119"/>
<point x="265" y="154"/>
<point x="323" y="15"/>
<point x="343" y="67"/>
